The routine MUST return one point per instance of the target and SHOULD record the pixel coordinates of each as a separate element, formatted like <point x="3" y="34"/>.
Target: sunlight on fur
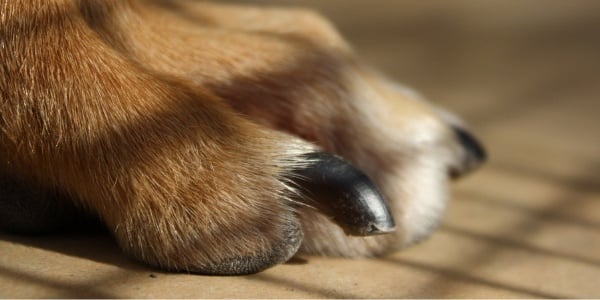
<point x="182" y="127"/>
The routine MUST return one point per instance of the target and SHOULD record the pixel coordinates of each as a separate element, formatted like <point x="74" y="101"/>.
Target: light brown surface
<point x="524" y="74"/>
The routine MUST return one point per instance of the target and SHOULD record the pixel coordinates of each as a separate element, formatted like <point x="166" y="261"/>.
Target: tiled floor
<point x="524" y="74"/>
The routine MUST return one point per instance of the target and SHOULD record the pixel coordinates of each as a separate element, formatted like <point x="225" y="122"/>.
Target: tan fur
<point x="174" y="121"/>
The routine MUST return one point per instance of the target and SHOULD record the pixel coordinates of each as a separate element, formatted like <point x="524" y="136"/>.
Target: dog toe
<point x="249" y="264"/>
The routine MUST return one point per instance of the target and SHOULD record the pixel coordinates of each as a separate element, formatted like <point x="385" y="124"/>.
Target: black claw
<point x="346" y="194"/>
<point x="475" y="152"/>
<point x="472" y="145"/>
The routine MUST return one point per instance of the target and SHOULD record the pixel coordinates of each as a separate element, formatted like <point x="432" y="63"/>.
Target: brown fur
<point x="176" y="122"/>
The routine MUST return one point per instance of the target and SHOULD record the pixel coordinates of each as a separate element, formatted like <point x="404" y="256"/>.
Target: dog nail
<point x="346" y="194"/>
<point x="475" y="153"/>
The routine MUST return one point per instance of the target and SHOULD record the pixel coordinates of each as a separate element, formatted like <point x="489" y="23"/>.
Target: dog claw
<point x="475" y="153"/>
<point x="346" y="194"/>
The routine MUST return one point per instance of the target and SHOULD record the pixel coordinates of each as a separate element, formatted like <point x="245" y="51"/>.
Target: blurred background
<point x="524" y="74"/>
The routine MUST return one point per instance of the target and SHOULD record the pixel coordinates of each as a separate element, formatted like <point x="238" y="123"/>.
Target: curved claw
<point x="474" y="152"/>
<point x="346" y="194"/>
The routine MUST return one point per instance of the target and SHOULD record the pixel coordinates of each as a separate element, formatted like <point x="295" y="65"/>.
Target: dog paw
<point x="408" y="147"/>
<point x="234" y="210"/>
